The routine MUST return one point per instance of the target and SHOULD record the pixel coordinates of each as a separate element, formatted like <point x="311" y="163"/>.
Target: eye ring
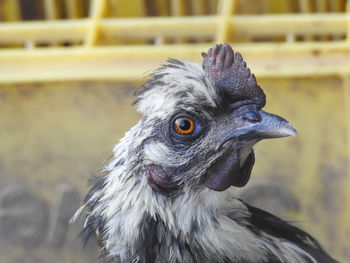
<point x="184" y="125"/>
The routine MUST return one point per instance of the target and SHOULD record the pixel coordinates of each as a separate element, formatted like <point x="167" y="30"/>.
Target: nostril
<point x="252" y="116"/>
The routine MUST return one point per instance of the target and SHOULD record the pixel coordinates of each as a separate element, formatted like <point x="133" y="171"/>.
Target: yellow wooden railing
<point x="102" y="47"/>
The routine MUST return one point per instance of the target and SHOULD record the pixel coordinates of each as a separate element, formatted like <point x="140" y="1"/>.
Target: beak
<point x="231" y="168"/>
<point x="269" y="126"/>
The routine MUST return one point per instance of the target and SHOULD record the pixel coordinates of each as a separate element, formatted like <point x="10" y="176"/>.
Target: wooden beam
<point x="128" y="28"/>
<point x="130" y="63"/>
<point x="64" y="30"/>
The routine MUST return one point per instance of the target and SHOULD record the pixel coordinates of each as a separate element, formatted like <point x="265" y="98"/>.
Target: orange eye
<point x="184" y="125"/>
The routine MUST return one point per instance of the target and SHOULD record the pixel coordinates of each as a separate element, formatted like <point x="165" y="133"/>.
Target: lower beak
<point x="269" y="126"/>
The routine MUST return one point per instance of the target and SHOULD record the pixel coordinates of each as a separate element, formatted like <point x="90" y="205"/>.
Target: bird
<point x="167" y="194"/>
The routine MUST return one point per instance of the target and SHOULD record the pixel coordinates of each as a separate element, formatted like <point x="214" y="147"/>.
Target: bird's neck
<point x="139" y="218"/>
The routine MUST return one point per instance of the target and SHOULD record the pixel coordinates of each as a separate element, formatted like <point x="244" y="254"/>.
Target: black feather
<point x="93" y="223"/>
<point x="261" y="221"/>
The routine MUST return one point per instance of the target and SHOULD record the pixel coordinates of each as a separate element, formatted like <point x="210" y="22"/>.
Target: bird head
<point x="200" y="123"/>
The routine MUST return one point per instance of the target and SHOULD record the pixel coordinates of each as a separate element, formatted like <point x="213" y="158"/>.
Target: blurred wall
<point x="54" y="136"/>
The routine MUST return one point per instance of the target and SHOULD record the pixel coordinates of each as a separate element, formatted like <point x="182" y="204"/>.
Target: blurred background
<point x="68" y="69"/>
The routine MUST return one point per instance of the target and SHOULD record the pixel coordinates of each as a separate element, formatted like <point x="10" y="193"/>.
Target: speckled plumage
<point x="183" y="220"/>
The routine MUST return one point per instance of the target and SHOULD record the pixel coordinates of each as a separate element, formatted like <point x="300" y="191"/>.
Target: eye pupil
<point x="185" y="125"/>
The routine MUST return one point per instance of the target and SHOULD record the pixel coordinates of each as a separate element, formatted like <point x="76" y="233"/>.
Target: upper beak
<point x="272" y="126"/>
<point x="269" y="126"/>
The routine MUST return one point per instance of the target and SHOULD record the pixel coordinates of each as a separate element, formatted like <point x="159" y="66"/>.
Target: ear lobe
<point x="159" y="180"/>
